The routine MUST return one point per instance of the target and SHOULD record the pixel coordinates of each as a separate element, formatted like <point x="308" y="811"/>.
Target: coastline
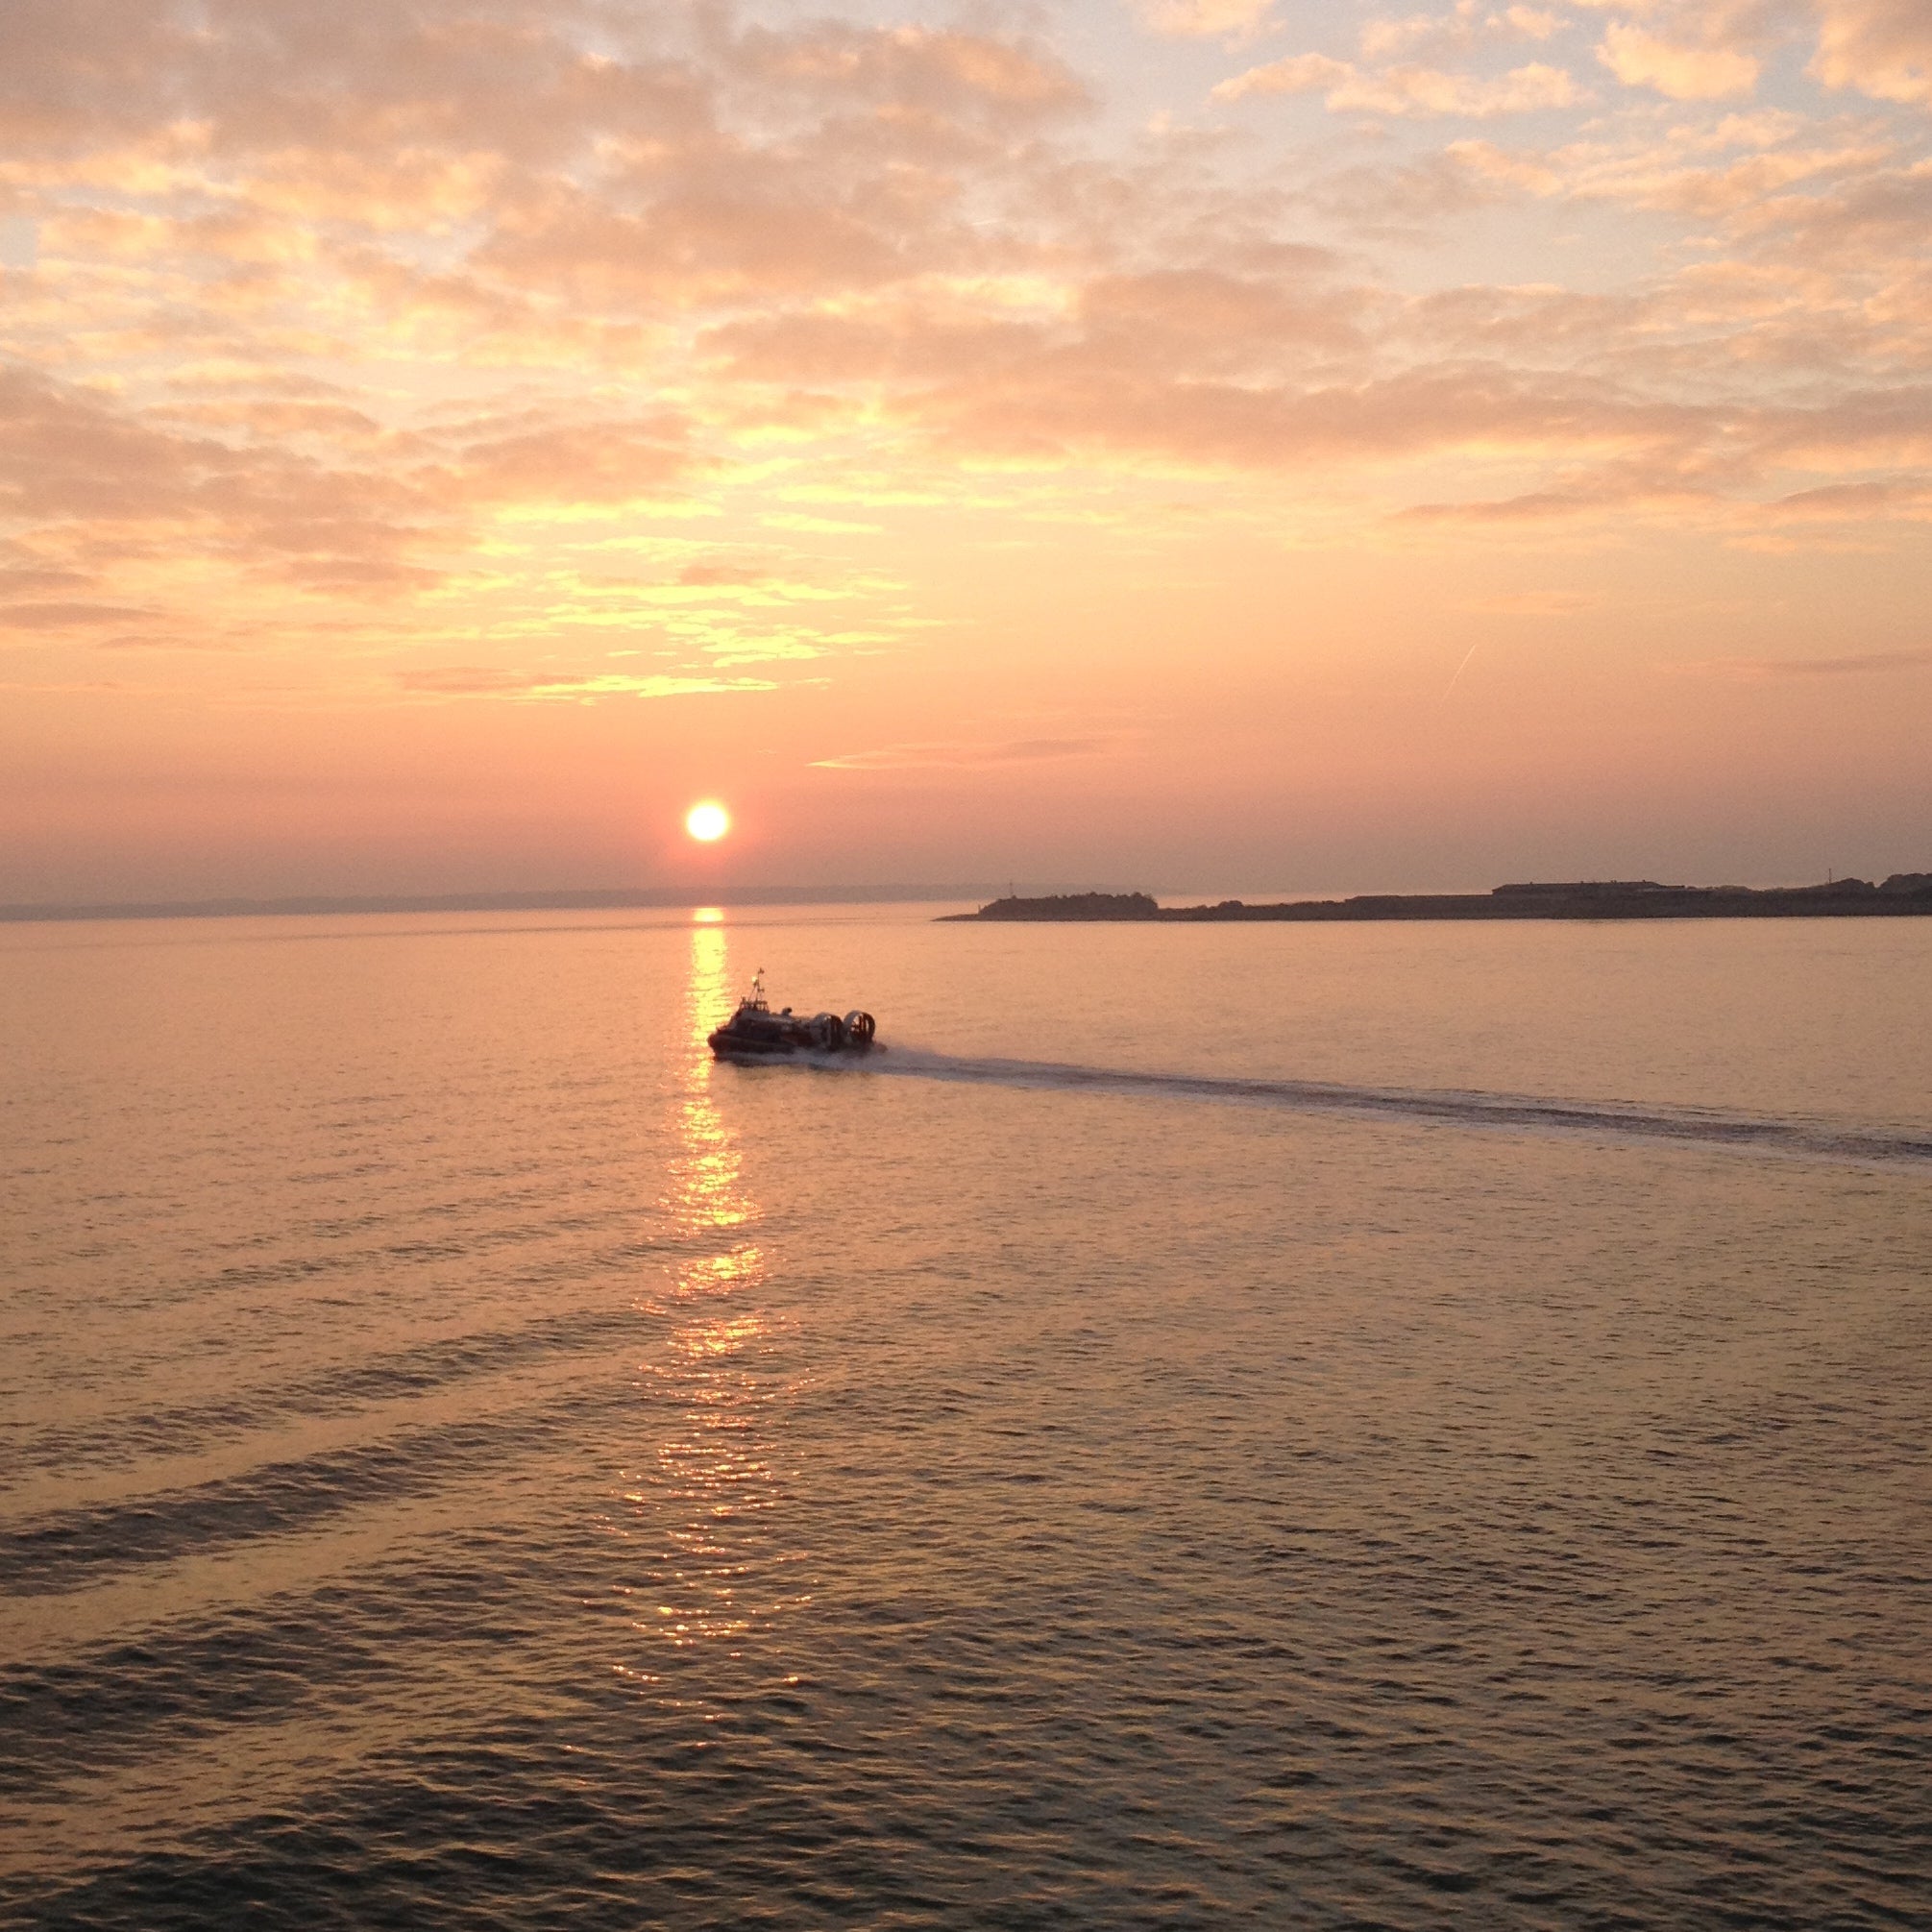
<point x="1903" y="895"/>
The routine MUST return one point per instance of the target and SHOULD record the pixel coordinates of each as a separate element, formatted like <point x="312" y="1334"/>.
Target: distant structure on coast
<point x="1903" y="894"/>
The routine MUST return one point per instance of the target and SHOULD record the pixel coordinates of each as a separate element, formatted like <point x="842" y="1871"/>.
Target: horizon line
<point x="604" y="899"/>
<point x="588" y="899"/>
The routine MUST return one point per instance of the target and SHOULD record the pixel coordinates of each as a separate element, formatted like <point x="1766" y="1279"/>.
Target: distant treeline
<point x="1903" y="894"/>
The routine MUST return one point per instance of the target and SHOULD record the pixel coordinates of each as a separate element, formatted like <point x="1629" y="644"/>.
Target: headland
<point x="1902" y="894"/>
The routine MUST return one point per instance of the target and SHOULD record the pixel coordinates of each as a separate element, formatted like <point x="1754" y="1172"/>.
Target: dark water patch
<point x="424" y="1369"/>
<point x="68" y="1550"/>
<point x="796" y="1804"/>
<point x="466" y="1601"/>
<point x="126" y="1439"/>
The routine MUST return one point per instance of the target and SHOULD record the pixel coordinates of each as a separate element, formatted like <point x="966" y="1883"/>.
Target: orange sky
<point x="1200" y="444"/>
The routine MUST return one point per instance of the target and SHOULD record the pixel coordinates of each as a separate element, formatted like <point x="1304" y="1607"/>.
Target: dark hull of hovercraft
<point x="728" y="1045"/>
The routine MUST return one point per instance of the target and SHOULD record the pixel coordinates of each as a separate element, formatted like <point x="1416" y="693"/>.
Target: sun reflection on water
<point x="700" y="1510"/>
<point x="706" y="1192"/>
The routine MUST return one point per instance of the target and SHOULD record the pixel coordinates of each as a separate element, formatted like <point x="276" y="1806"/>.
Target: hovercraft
<point x="754" y="1032"/>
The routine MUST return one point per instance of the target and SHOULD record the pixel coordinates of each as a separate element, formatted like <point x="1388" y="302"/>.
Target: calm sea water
<point x="1388" y="1426"/>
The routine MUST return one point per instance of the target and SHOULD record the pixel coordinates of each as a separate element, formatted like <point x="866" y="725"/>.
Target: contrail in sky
<point x="1459" y="670"/>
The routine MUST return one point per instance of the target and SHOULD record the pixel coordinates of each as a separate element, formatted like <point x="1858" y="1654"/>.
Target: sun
<point x="707" y="822"/>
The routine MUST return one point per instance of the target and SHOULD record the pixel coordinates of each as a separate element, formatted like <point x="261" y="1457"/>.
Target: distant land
<point x="1903" y="894"/>
<point x="613" y="900"/>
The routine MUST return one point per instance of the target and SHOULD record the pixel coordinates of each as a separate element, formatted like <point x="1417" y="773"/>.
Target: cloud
<point x="1881" y="47"/>
<point x="578" y="462"/>
<point x="1862" y="664"/>
<point x="1465" y="26"/>
<point x="827" y="526"/>
<point x="1086" y="402"/>
<point x="34" y="579"/>
<point x="68" y="616"/>
<point x="1224" y="19"/>
<point x="1529" y="509"/>
<point x="1406" y="90"/>
<point x="69" y="457"/>
<point x="1685" y="73"/>
<point x="1533" y="603"/>
<point x="919" y="69"/>
<point x="948" y="756"/>
<point x="1856" y="502"/>
<point x="466" y="681"/>
<point x="355" y="329"/>
<point x="1715" y="49"/>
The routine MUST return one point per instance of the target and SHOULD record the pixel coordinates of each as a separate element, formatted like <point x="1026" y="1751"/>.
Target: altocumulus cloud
<point x="362" y="325"/>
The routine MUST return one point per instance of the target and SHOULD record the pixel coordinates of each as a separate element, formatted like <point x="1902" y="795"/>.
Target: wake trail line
<point x="1692" y="1126"/>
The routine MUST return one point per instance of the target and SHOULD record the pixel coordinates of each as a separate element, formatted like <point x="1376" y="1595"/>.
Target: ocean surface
<point x="1292" y="1425"/>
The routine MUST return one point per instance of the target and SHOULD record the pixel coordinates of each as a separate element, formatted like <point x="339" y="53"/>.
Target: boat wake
<point x="1805" y="1139"/>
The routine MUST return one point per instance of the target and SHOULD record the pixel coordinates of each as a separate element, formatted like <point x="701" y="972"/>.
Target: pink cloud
<point x="1881" y="47"/>
<point x="1206" y="19"/>
<point x="1407" y="90"/>
<point x="1684" y="72"/>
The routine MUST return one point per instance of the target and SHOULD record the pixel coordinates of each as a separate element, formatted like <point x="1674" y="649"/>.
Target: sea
<point x="1359" y="1426"/>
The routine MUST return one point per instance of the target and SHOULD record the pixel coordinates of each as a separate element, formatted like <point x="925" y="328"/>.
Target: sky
<point x="1188" y="443"/>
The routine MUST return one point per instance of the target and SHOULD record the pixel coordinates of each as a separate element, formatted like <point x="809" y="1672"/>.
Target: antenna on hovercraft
<point x="755" y="998"/>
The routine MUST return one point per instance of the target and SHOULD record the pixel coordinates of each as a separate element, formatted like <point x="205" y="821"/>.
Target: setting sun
<point x="707" y="822"/>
